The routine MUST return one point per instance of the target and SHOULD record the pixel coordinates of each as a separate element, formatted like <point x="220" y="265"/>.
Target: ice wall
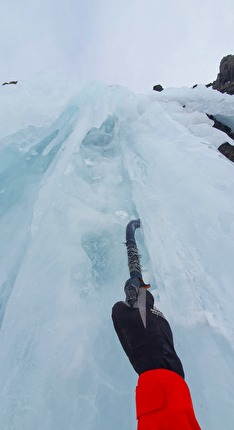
<point x="70" y="180"/>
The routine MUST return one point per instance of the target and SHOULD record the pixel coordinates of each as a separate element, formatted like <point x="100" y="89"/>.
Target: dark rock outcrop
<point x="220" y="126"/>
<point x="225" y="79"/>
<point x="9" y="83"/>
<point x="158" y="88"/>
<point x="207" y="85"/>
<point x="228" y="150"/>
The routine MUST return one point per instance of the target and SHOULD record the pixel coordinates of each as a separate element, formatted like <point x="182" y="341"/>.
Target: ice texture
<point x="75" y="166"/>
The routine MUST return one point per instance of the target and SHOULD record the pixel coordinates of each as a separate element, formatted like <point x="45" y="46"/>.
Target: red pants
<point x="163" y="402"/>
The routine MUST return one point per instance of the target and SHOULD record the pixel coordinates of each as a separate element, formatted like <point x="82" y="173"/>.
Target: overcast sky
<point x="136" y="43"/>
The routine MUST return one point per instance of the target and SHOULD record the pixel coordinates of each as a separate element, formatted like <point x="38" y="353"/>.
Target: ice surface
<point x="72" y="174"/>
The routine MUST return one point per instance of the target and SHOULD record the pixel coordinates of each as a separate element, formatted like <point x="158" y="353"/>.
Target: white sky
<point x="136" y="43"/>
